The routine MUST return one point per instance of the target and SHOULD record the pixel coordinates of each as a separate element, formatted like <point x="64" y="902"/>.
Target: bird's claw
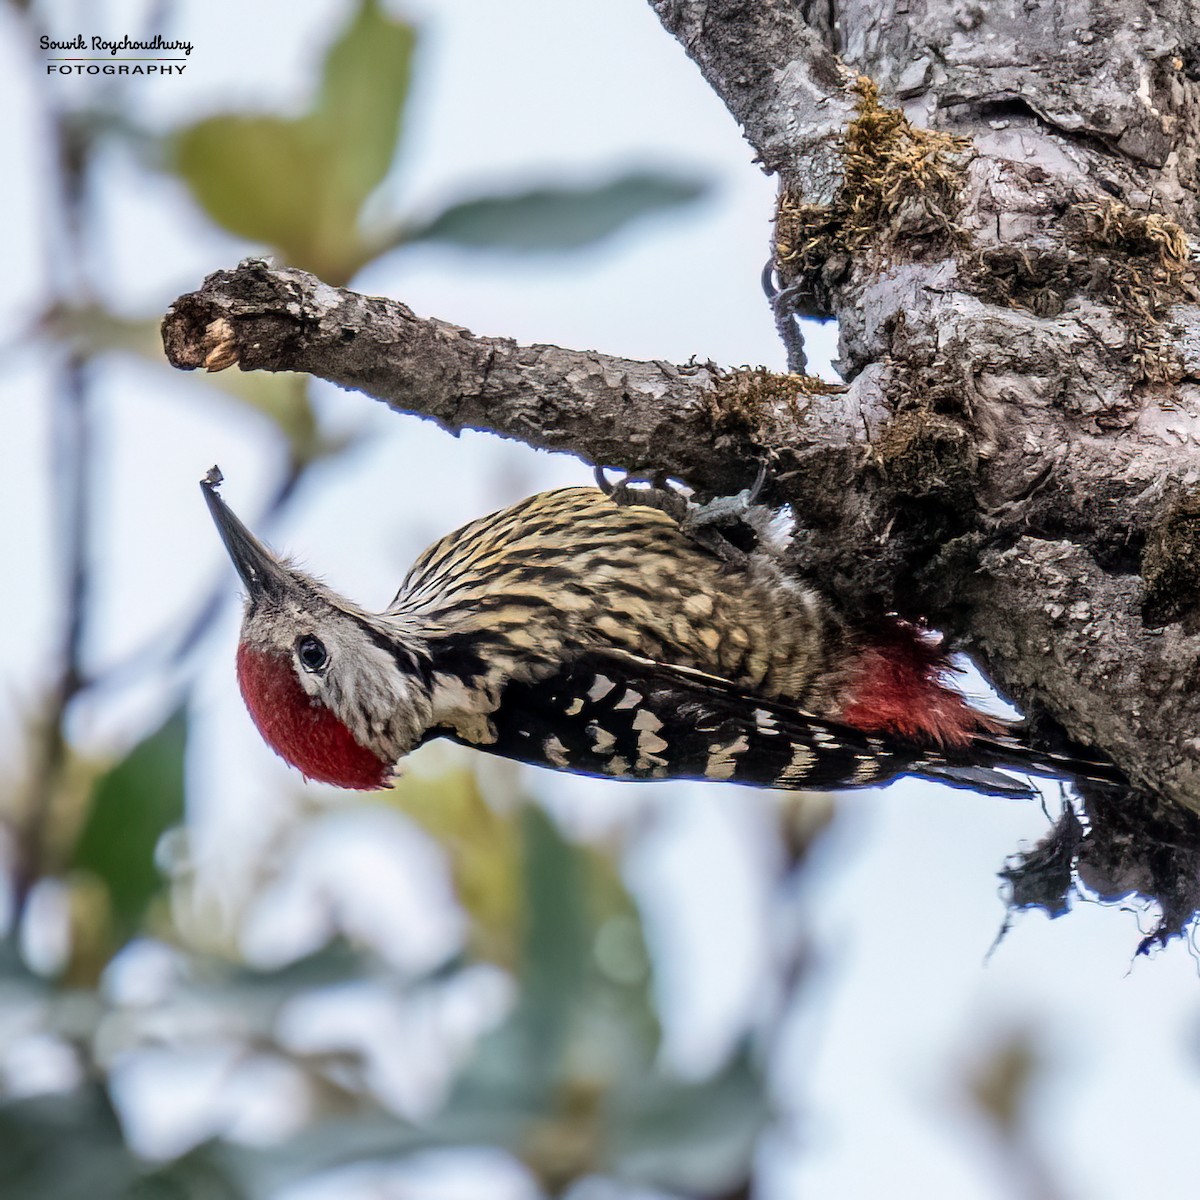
<point x="706" y="523"/>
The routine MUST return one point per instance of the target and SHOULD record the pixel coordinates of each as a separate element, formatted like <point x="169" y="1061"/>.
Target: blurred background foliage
<point x="539" y="1039"/>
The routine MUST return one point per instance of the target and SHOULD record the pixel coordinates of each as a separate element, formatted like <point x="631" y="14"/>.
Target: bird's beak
<point x="264" y="576"/>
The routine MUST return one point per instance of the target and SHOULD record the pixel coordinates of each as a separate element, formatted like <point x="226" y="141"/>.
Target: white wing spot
<point x="802" y="762"/>
<point x="631" y="699"/>
<point x="718" y="766"/>
<point x="650" y="743"/>
<point x="823" y="739"/>
<point x="647" y="720"/>
<point x="600" y="688"/>
<point x="866" y="770"/>
<point x="602" y="740"/>
<point x="575" y="707"/>
<point x="617" y="765"/>
<point x="555" y="751"/>
<point x="722" y="759"/>
<point x="764" y="719"/>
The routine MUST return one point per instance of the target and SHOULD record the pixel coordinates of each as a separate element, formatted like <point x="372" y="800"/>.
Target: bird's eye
<point x="312" y="653"/>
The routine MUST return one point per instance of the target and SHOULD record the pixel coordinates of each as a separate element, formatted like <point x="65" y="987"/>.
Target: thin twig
<point x="50" y="752"/>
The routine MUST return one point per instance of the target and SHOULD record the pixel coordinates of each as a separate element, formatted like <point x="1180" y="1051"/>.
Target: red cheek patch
<point x="301" y="730"/>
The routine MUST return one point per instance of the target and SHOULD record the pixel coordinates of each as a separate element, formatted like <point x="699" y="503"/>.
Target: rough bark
<point x="1001" y="221"/>
<point x="692" y="421"/>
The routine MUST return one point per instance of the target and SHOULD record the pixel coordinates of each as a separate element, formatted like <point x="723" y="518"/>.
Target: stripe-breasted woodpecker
<point x="579" y="631"/>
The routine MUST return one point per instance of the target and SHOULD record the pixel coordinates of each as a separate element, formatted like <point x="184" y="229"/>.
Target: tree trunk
<point x="996" y="202"/>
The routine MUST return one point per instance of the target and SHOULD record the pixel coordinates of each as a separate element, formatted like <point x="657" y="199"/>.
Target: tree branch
<point x="780" y="80"/>
<point x="640" y="416"/>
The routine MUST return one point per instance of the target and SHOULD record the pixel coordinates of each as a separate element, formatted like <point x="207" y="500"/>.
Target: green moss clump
<point x="1135" y="262"/>
<point x="899" y="195"/>
<point x="1146" y="269"/>
<point x="751" y="401"/>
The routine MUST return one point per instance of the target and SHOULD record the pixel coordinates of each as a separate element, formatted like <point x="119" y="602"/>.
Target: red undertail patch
<point x="899" y="687"/>
<point x="300" y="730"/>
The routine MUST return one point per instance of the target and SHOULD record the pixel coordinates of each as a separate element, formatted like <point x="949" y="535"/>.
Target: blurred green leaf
<point x="556" y="952"/>
<point x="363" y="93"/>
<point x="570" y="1082"/>
<point x="200" y="1175"/>
<point x="325" y="1145"/>
<point x="14" y="970"/>
<point x="334" y="963"/>
<point x="270" y="180"/>
<point x="131" y="807"/>
<point x="92" y="329"/>
<point x="64" y="1146"/>
<point x="536" y="1085"/>
<point x="69" y="1146"/>
<point x="483" y="846"/>
<point x="694" y="1138"/>
<point x="558" y="218"/>
<point x="299" y="184"/>
<point x="518" y="1068"/>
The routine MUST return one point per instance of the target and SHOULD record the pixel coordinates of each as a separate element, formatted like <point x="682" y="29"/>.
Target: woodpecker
<point x="589" y="632"/>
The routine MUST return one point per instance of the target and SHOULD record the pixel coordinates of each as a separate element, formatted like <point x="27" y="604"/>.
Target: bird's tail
<point x="983" y="766"/>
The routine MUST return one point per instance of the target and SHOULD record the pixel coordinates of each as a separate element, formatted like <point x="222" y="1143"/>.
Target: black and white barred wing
<point x="615" y="714"/>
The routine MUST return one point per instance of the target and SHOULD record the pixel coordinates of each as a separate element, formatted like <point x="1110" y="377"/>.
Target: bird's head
<point x="330" y="688"/>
